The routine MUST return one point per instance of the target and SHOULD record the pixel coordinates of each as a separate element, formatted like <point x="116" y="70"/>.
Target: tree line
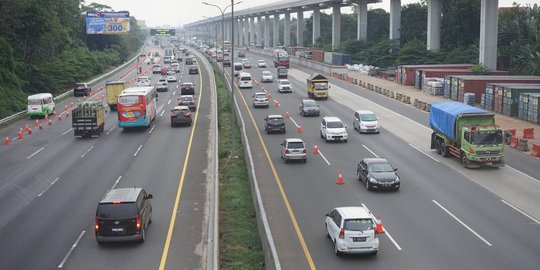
<point x="44" y="48"/>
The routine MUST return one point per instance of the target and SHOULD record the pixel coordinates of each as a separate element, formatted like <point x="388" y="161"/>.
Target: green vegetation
<point x="44" y="48"/>
<point x="240" y="242"/>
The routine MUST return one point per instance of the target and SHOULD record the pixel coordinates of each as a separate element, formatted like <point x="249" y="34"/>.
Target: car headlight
<point x="373" y="180"/>
<point x="397" y="179"/>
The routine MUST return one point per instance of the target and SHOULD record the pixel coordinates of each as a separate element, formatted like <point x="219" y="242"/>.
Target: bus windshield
<point x="128" y="100"/>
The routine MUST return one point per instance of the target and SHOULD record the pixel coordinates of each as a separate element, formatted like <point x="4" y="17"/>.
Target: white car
<point x="366" y="121"/>
<point x="284" y="86"/>
<point x="261" y="64"/>
<point x="333" y="129"/>
<point x="293" y="149"/>
<point x="352" y="230"/>
<point x="143" y="81"/>
<point x="171" y="76"/>
<point x="260" y="99"/>
<point x="266" y="76"/>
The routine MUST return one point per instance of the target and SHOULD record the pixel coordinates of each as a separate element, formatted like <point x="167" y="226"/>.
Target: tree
<point x="460" y="24"/>
<point x="413" y="22"/>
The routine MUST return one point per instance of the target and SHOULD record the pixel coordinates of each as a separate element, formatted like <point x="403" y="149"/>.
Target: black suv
<point x="187" y="88"/>
<point x="82" y="89"/>
<point x="274" y="123"/>
<point x="123" y="215"/>
<point x="193" y="70"/>
<point x="309" y="107"/>
<point x="377" y="173"/>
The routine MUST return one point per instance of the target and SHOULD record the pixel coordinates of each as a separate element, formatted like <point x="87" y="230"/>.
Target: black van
<point x="123" y="215"/>
<point x="81" y="89"/>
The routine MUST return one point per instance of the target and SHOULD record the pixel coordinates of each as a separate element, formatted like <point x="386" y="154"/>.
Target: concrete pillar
<point x="300" y="28"/>
<point x="258" y="31"/>
<point x="361" y="20"/>
<point x="395" y="19"/>
<point x="488" y="33"/>
<point x="252" y="30"/>
<point x="238" y="33"/>
<point x="316" y="25"/>
<point x="336" y="26"/>
<point x="276" y="30"/>
<point x="434" y="25"/>
<point x="287" y="30"/>
<point x="246" y="32"/>
<point x="267" y="31"/>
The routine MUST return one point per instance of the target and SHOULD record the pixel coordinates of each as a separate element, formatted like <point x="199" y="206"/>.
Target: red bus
<point x="137" y="107"/>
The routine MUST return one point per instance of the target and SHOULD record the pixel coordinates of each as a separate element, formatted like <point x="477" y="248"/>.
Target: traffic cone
<point x="26" y="128"/>
<point x="84" y="98"/>
<point x="46" y="118"/>
<point x="286" y="114"/>
<point x="340" y="179"/>
<point x="30" y="131"/>
<point x="269" y="95"/>
<point x="299" y="129"/>
<point x="66" y="110"/>
<point x="379" y="229"/>
<point x="7" y="141"/>
<point x="59" y="118"/>
<point x="315" y="149"/>
<point x="20" y="134"/>
<point x="50" y="123"/>
<point x="71" y="105"/>
<point x="40" y="126"/>
<point x="36" y="123"/>
<point x="54" y="113"/>
<point x="102" y="97"/>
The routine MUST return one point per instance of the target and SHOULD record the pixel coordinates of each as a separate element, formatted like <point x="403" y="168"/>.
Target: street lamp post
<point x="233" y="147"/>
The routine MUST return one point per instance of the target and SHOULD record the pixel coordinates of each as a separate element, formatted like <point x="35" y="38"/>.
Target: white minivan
<point x="245" y="80"/>
<point x="40" y="105"/>
<point x="366" y="122"/>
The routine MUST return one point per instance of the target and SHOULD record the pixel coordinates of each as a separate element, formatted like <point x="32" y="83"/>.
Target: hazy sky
<point x="179" y="12"/>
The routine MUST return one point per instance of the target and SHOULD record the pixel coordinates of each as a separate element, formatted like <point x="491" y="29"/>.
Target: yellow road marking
<point x="181" y="183"/>
<point x="281" y="190"/>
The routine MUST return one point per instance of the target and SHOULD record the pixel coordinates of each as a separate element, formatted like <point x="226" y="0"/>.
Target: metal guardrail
<point x="17" y="115"/>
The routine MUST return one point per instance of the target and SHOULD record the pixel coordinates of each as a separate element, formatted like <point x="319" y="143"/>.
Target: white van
<point x="366" y="122"/>
<point x="245" y="80"/>
<point x="40" y="105"/>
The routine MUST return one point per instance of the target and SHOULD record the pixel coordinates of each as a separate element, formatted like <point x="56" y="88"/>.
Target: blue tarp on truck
<point x="442" y="116"/>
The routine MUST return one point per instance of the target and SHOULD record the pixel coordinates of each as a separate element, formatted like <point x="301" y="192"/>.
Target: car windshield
<point x="310" y="103"/>
<point x="486" y="138"/>
<point x="380" y="167"/>
<point x="34" y="102"/>
<point x="267" y="73"/>
<point x="321" y="86"/>
<point x="295" y="145"/>
<point x="334" y="125"/>
<point x="80" y="86"/>
<point x="368" y="117"/>
<point x="359" y="224"/>
<point x="117" y="210"/>
<point x="284" y="82"/>
<point x="128" y="100"/>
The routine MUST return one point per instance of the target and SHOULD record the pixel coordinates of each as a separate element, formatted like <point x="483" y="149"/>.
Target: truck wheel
<point x="444" y="150"/>
<point x="438" y="146"/>
<point x="464" y="160"/>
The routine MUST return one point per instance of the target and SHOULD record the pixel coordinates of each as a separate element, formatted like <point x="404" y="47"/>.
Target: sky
<point x="173" y="13"/>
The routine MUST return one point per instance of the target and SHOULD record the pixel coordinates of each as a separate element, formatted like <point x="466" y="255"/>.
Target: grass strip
<point x="240" y="243"/>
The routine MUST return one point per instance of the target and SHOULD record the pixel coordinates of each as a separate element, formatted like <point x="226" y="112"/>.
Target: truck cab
<point x="317" y="86"/>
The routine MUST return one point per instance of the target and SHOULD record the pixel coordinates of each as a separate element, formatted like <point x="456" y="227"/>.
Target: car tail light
<point x="304" y="151"/>
<point x="186" y="114"/>
<point x="138" y="222"/>
<point x="286" y="151"/>
<point x="341" y="233"/>
<point x="96" y="226"/>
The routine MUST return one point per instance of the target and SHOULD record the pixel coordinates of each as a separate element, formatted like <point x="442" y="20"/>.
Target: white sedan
<point x="266" y="76"/>
<point x="261" y="64"/>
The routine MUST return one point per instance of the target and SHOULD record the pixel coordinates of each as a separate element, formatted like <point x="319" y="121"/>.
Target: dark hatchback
<point x="81" y="89"/>
<point x="189" y="101"/>
<point x="187" y="88"/>
<point x="309" y="107"/>
<point x="193" y="70"/>
<point x="274" y="123"/>
<point x="123" y="215"/>
<point x="378" y="173"/>
<point x="181" y="115"/>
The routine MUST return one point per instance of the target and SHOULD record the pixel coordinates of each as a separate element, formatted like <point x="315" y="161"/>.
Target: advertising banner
<point x="107" y="23"/>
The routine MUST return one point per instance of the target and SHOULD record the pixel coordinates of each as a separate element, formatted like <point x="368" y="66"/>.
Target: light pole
<point x="233" y="147"/>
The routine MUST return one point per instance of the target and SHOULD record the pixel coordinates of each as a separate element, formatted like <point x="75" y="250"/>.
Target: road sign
<point x="107" y="23"/>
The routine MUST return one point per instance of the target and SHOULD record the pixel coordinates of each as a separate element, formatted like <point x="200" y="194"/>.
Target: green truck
<point x="88" y="119"/>
<point x="466" y="132"/>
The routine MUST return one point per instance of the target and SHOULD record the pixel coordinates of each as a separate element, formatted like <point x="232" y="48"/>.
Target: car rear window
<point x="117" y="210"/>
<point x="295" y="145"/>
<point x="358" y="224"/>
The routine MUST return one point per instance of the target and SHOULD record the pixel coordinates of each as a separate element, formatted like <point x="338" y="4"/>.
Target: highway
<point x="444" y="216"/>
<point x="51" y="183"/>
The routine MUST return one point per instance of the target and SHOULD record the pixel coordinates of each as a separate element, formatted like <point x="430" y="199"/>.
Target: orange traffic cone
<point x="30" y="131"/>
<point x="54" y="113"/>
<point x="46" y="118"/>
<point x="59" y="118"/>
<point x="50" y="123"/>
<point x="66" y="110"/>
<point x="85" y="98"/>
<point x="20" y="134"/>
<point x="299" y="129"/>
<point x="37" y="123"/>
<point x="315" y="149"/>
<point x="102" y="97"/>
<point x="26" y="128"/>
<point x="277" y="104"/>
<point x="71" y="105"/>
<point x="286" y="114"/>
<point x="7" y="141"/>
<point x="340" y="179"/>
<point x="379" y="229"/>
<point x="40" y="126"/>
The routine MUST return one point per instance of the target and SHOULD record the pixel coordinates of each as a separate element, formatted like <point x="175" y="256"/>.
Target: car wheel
<point x="336" y="250"/>
<point x="285" y="160"/>
<point x="464" y="160"/>
<point x="172" y="125"/>
<point x="368" y="186"/>
<point x="305" y="160"/>
<point x="284" y="131"/>
<point x="344" y="141"/>
<point x="326" y="230"/>
<point x="374" y="253"/>
<point x="322" y="136"/>
<point x="143" y="235"/>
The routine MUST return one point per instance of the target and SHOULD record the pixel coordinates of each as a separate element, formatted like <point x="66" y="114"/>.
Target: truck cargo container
<point x="524" y="106"/>
<point x="466" y="132"/>
<point x="113" y="89"/>
<point x="493" y="95"/>
<point x="407" y="73"/>
<point x="317" y="55"/>
<point x="533" y="112"/>
<point x="511" y="97"/>
<point x="339" y="59"/>
<point x="477" y="84"/>
<point x="328" y="57"/>
<point x="422" y="74"/>
<point x="88" y="118"/>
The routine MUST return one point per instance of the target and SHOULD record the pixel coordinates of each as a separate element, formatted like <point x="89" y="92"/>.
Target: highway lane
<point x="427" y="184"/>
<point x="55" y="218"/>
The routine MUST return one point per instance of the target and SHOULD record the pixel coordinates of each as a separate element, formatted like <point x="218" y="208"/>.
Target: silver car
<point x="293" y="149"/>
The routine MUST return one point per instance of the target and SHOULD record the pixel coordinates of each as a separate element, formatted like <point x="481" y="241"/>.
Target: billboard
<point x="162" y="32"/>
<point x="107" y="23"/>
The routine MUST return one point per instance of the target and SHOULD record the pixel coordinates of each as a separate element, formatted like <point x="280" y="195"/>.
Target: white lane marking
<point x="87" y="151"/>
<point x="522" y="173"/>
<point x="50" y="185"/>
<point x="71" y="250"/>
<point x="326" y="160"/>
<point x="522" y="212"/>
<point x="110" y="130"/>
<point x="35" y="153"/>
<point x="138" y="149"/>
<point x="116" y="182"/>
<point x="174" y="93"/>
<point x="385" y="230"/>
<point x="152" y="129"/>
<point x="293" y="121"/>
<point x="162" y="113"/>
<point x="169" y="101"/>
<point x="426" y="154"/>
<point x="373" y="153"/>
<point x="177" y="84"/>
<point x="67" y="131"/>
<point x="463" y="223"/>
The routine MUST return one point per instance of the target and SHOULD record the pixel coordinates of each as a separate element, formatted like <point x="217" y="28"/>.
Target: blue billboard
<point x="107" y="23"/>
